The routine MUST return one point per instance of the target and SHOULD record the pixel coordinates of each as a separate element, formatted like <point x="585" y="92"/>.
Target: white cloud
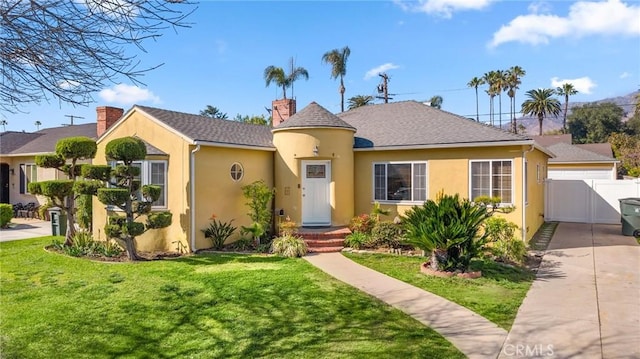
<point x="68" y="84"/>
<point x="624" y="75"/>
<point x="539" y="7"/>
<point x="582" y="84"/>
<point x="382" y="68"/>
<point x="443" y="8"/>
<point x="611" y="17"/>
<point x="128" y="95"/>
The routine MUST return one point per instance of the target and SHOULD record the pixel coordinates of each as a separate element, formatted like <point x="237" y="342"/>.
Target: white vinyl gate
<point x="587" y="201"/>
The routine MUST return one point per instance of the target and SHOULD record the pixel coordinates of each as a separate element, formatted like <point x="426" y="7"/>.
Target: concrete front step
<point x="324" y="249"/>
<point x="333" y="242"/>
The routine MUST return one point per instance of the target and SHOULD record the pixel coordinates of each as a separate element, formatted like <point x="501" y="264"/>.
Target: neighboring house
<point x="325" y="168"/>
<point x="17" y="159"/>
<point x="580" y="161"/>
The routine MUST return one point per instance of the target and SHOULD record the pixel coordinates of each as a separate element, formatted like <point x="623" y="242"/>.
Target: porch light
<point x="13" y="171"/>
<point x="315" y="150"/>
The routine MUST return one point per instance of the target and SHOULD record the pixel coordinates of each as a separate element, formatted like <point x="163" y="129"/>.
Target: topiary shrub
<point x="6" y="214"/>
<point x="126" y="149"/>
<point x="502" y="242"/>
<point x="289" y="246"/>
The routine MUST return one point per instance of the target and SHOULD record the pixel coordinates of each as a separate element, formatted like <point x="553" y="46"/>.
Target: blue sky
<point x="428" y="47"/>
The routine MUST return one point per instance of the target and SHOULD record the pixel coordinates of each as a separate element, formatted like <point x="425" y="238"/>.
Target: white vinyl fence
<point x="587" y="201"/>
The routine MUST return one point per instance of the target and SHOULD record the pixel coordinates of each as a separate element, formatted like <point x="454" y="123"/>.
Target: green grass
<point x="496" y="296"/>
<point x="204" y="306"/>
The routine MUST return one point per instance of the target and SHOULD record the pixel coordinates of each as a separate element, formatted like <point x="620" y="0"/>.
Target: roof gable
<point x="411" y="123"/>
<point x="206" y="129"/>
<point x="314" y="115"/>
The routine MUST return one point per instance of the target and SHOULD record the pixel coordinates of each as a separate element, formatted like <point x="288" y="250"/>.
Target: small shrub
<point x="288" y="227"/>
<point x="289" y="246"/>
<point x="109" y="249"/>
<point x="386" y="234"/>
<point x="6" y="213"/>
<point x="357" y="240"/>
<point x="242" y="244"/>
<point x="218" y="232"/>
<point x="502" y="241"/>
<point x="362" y="223"/>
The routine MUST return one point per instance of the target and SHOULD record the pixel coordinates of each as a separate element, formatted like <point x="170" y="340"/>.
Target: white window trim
<point x="145" y="178"/>
<point x="241" y="172"/>
<point x="390" y="201"/>
<point x="26" y="177"/>
<point x="491" y="182"/>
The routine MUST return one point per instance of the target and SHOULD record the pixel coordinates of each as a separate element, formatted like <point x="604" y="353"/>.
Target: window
<point x="236" y="172"/>
<point x="28" y="174"/>
<point x="406" y="181"/>
<point x="154" y="173"/>
<point x="493" y="179"/>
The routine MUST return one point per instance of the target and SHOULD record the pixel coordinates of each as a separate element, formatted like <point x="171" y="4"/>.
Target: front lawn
<point x="204" y="306"/>
<point x="496" y="296"/>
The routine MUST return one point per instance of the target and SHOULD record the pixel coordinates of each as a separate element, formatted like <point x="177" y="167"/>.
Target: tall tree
<point x="337" y="58"/>
<point x="541" y="102"/>
<point x="475" y="83"/>
<point x="501" y="85"/>
<point x="278" y="76"/>
<point x="359" y="101"/>
<point x="213" y="112"/>
<point x="513" y="82"/>
<point x="38" y="124"/>
<point x="567" y="89"/>
<point x="68" y="50"/>
<point x="489" y="79"/>
<point x="595" y="122"/>
<point x="436" y="101"/>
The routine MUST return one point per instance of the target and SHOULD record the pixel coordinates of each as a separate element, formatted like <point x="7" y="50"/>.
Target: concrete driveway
<point x="22" y="228"/>
<point x="585" y="301"/>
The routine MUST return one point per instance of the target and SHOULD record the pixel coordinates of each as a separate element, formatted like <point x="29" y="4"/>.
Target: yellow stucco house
<point x="325" y="168"/>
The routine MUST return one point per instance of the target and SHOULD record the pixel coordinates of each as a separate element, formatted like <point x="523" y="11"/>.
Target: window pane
<point x="158" y="178"/>
<point x="236" y="171"/>
<point x="379" y="182"/>
<point x="480" y="185"/>
<point x="316" y="171"/>
<point x="420" y="182"/>
<point x="399" y="182"/>
<point x="501" y="180"/>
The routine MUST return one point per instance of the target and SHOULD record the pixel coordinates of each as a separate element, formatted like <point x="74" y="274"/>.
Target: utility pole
<point x="72" y="117"/>
<point x="383" y="88"/>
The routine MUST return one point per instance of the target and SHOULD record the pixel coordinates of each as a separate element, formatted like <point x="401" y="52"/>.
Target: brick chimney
<point x="107" y="116"/>
<point x="281" y="110"/>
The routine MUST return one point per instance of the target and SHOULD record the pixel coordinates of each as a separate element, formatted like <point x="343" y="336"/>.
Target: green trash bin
<point x="58" y="221"/>
<point x="630" y="216"/>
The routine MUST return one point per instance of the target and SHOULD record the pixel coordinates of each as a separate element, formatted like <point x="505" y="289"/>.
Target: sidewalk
<point x="585" y="301"/>
<point x="472" y="334"/>
<point x="21" y="228"/>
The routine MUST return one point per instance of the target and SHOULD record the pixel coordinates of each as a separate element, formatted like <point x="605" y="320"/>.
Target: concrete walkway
<point x="585" y="301"/>
<point x="21" y="228"/>
<point x="472" y="334"/>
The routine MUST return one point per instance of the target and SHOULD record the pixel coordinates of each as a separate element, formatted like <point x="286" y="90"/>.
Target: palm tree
<point x="540" y="103"/>
<point x="338" y="61"/>
<point x="4" y="124"/>
<point x="436" y="101"/>
<point x="489" y="78"/>
<point x="277" y="75"/>
<point x="513" y="81"/>
<point x="38" y="124"/>
<point x="359" y="100"/>
<point x="475" y="82"/>
<point x="500" y="85"/>
<point x="567" y="89"/>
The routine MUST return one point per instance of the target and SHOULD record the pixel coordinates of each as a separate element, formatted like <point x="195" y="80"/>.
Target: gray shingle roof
<point x="603" y="149"/>
<point x="151" y="149"/>
<point x="314" y="115"/>
<point x="411" y="123"/>
<point x="548" y="140"/>
<point x="201" y="128"/>
<point x="46" y="139"/>
<point x="570" y="153"/>
<point x="12" y="140"/>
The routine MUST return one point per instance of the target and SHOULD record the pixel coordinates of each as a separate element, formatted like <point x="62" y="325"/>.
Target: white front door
<point x="316" y="180"/>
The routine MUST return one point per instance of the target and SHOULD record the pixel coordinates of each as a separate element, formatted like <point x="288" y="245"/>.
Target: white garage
<point x="581" y="174"/>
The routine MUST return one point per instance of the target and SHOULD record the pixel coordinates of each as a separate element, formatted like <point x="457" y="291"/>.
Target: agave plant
<point x="447" y="230"/>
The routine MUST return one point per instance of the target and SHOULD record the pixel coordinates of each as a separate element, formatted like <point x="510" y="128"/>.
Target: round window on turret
<point x="236" y="172"/>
